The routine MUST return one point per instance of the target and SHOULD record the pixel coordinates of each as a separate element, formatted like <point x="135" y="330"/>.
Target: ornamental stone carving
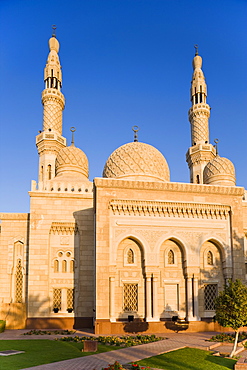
<point x="64" y="228"/>
<point x="137" y="161"/>
<point x="168" y="209"/>
<point x="151" y="236"/>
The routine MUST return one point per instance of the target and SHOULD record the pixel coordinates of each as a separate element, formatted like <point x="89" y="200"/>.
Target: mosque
<point x="130" y="251"/>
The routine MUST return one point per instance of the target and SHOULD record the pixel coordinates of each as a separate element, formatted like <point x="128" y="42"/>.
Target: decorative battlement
<point x="169" y="186"/>
<point x="169" y="209"/>
<point x="63" y="187"/>
<point x="14" y="216"/>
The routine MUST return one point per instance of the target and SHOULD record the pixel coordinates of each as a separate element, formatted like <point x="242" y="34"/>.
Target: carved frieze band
<point x="168" y="209"/>
<point x="65" y="228"/>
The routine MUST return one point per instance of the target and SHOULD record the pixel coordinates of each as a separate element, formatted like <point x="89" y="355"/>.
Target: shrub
<point x="2" y="325"/>
<point x="124" y="341"/>
<point x="228" y="337"/>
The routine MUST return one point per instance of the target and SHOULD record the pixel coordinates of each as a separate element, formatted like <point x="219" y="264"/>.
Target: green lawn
<point x="188" y="359"/>
<point x="42" y="351"/>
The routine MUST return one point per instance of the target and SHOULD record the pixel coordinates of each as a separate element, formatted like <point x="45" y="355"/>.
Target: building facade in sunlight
<point x="130" y="251"/>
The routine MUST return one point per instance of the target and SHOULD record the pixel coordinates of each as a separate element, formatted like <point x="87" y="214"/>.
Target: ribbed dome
<point x="71" y="160"/>
<point x="219" y="171"/>
<point x="137" y="161"/>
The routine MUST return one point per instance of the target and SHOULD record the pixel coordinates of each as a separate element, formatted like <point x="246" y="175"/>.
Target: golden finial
<point x="54" y="27"/>
<point x="196" y="49"/>
<point x="216" y="145"/>
<point x="135" y="129"/>
<point x="72" y="129"/>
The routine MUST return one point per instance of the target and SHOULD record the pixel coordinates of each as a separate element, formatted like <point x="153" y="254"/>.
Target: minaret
<point x="50" y="140"/>
<point x="201" y="152"/>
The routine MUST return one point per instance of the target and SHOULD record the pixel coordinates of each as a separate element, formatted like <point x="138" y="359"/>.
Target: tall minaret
<point x="201" y="152"/>
<point x="50" y="140"/>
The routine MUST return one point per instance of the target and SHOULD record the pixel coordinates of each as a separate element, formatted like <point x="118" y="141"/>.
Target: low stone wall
<point x="137" y="326"/>
<point x="241" y="364"/>
<point x="59" y="322"/>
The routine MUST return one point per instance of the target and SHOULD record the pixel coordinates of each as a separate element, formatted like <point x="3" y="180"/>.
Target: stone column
<point x="196" y="305"/>
<point x="112" y="299"/>
<point x="155" y="299"/>
<point x="189" y="300"/>
<point x="148" y="299"/>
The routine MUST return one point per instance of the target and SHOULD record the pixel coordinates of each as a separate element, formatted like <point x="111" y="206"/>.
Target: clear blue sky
<point x="125" y="63"/>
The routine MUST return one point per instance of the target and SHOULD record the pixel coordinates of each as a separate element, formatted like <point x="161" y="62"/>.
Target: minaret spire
<point x="50" y="140"/>
<point x="201" y="151"/>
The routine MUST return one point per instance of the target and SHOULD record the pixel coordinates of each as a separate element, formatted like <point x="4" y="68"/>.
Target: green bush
<point x="2" y="325"/>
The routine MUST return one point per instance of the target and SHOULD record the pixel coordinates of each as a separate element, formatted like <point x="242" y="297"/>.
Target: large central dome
<point x="137" y="161"/>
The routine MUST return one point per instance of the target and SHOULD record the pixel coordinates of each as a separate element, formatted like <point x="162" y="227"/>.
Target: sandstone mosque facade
<point x="131" y="247"/>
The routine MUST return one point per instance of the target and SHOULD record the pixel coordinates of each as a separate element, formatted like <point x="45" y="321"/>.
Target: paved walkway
<point x="124" y="355"/>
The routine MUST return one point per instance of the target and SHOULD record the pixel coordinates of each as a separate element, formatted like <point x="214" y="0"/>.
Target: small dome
<point x="71" y="161"/>
<point x="137" y="161"/>
<point x="219" y="171"/>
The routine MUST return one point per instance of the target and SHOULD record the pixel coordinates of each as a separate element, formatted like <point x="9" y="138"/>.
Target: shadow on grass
<point x="225" y="363"/>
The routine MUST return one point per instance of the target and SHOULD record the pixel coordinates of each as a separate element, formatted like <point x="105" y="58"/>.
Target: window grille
<point x="130" y="256"/>
<point x="18" y="283"/>
<point x="171" y="259"/>
<point x="210" y="293"/>
<point x="130" y="297"/>
<point x="70" y="299"/>
<point x="57" y="298"/>
<point x="210" y="258"/>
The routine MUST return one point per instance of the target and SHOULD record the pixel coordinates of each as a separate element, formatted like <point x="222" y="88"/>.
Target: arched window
<point x="49" y="172"/>
<point x="64" y="266"/>
<point x="56" y="266"/>
<point x="171" y="259"/>
<point x="72" y="266"/>
<point x="130" y="256"/>
<point x="42" y="173"/>
<point x="18" y="283"/>
<point x="210" y="260"/>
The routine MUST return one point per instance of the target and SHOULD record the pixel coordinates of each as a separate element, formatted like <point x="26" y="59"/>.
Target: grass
<point x="188" y="359"/>
<point x="43" y="351"/>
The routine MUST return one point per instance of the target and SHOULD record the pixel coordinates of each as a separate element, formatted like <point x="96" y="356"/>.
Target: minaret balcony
<point x="50" y="136"/>
<point x="200" y="107"/>
<point x="51" y="92"/>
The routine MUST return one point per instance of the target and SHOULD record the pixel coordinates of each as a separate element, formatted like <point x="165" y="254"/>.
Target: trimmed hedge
<point x="2" y="325"/>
